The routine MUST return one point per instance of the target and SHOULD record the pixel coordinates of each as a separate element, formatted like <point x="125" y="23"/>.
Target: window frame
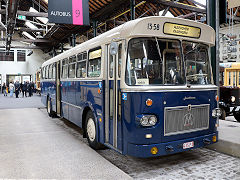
<point x="83" y="54"/>
<point x="88" y="61"/>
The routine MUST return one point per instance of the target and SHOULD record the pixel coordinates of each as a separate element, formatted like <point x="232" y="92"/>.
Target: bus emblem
<point x="124" y="96"/>
<point x="188" y="120"/>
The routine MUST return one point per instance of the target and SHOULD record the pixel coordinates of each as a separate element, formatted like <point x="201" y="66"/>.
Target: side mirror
<point x="113" y="48"/>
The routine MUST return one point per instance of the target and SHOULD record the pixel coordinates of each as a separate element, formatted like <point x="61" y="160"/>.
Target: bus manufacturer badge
<point x="124" y="96"/>
<point x="100" y="85"/>
<point x="188" y="120"/>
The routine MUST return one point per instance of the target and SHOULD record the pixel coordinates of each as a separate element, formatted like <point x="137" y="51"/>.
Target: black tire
<point x="223" y="115"/>
<point x="236" y="114"/>
<point x="49" y="108"/>
<point x="91" y="131"/>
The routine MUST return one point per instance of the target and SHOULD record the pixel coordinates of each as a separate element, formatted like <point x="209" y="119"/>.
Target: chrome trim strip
<point x="71" y="105"/>
<point x="186" y="131"/>
<point x="47" y="80"/>
<point x="167" y="90"/>
<point x="100" y="79"/>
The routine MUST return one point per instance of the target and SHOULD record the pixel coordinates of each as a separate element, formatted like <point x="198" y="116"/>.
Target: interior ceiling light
<point x="42" y="19"/>
<point x="46" y="1"/>
<point x="28" y="35"/>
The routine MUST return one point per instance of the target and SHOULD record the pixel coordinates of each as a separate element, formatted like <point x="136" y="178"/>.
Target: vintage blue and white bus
<point x="144" y="88"/>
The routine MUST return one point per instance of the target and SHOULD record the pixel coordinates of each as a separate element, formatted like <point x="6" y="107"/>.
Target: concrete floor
<point x="15" y="103"/>
<point x="229" y="137"/>
<point x="33" y="146"/>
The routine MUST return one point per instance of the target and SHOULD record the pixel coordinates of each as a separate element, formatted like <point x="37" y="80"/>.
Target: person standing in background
<point x="11" y="88"/>
<point x="4" y="88"/>
<point x="17" y="88"/>
<point x="30" y="89"/>
<point x="24" y="89"/>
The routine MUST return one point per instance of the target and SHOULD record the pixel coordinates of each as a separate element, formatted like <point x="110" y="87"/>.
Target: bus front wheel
<point x="236" y="114"/>
<point x="91" y="131"/>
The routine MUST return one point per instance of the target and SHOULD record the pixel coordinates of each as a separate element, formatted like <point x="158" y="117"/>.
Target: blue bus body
<point x="179" y="112"/>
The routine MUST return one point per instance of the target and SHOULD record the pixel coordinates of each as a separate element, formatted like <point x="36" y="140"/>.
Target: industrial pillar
<point x="73" y="40"/>
<point x="132" y="8"/>
<point x="94" y="28"/>
<point x="213" y="21"/>
<point x="61" y="47"/>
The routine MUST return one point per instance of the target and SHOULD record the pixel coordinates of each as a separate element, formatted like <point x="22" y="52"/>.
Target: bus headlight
<point x="233" y="98"/>
<point x="216" y="112"/>
<point x="152" y="120"/>
<point x="147" y="120"/>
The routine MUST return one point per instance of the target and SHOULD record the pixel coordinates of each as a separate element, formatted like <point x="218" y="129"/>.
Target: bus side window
<point x="239" y="78"/>
<point x="81" y="69"/>
<point x="46" y="74"/>
<point x="50" y="72"/>
<point x="64" y="68"/>
<point x="81" y="65"/>
<point x="234" y="79"/>
<point x="229" y="79"/>
<point x="54" y="71"/>
<point x="72" y="67"/>
<point x="119" y="59"/>
<point x="43" y="73"/>
<point x="94" y="63"/>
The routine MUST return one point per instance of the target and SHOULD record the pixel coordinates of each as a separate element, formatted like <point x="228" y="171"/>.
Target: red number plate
<point x="188" y="145"/>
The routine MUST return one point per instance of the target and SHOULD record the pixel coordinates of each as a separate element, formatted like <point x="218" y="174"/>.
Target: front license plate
<point x="188" y="145"/>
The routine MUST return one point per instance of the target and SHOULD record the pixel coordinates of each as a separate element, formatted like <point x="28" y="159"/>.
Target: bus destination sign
<point x="181" y="30"/>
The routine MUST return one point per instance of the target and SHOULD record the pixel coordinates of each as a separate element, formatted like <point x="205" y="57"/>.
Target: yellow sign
<point x="233" y="3"/>
<point x="181" y="30"/>
<point x="95" y="54"/>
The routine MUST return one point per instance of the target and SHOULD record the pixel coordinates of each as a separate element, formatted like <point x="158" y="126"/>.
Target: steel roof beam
<point x="24" y="29"/>
<point x="27" y="47"/>
<point x="12" y="6"/>
<point x="27" y="13"/>
<point x="30" y="40"/>
<point x="179" y="5"/>
<point x="198" y="3"/>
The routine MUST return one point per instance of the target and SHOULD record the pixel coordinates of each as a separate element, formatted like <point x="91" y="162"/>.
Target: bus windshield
<point x="198" y="69"/>
<point x="154" y="61"/>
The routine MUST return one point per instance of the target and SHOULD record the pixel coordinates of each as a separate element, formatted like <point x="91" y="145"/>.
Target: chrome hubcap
<point x="91" y="129"/>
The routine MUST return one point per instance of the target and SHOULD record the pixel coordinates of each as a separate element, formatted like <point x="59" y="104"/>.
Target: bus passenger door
<point x="58" y="92"/>
<point x="113" y="124"/>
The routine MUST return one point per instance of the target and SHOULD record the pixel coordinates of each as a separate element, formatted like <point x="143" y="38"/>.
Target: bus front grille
<point x="185" y="119"/>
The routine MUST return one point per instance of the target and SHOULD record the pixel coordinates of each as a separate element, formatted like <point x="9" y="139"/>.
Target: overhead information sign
<point x="181" y="30"/>
<point x="68" y="12"/>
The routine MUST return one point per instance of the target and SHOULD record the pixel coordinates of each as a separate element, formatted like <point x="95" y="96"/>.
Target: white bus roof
<point x="139" y="28"/>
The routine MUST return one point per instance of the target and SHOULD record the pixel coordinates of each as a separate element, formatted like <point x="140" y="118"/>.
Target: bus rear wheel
<point x="91" y="131"/>
<point x="49" y="108"/>
<point x="236" y="114"/>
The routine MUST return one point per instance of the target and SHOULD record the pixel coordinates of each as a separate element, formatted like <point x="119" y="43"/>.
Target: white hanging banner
<point x="233" y="3"/>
